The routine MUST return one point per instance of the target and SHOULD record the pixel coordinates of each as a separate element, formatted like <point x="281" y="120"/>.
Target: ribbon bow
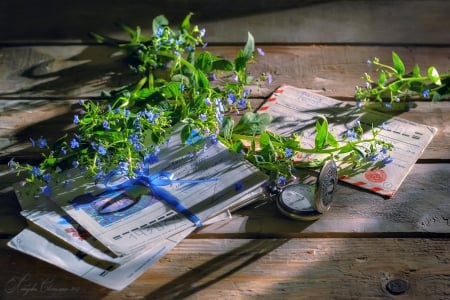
<point x="155" y="182"/>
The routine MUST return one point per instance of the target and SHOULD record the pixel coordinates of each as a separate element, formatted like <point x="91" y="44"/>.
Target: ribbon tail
<point x="176" y="205"/>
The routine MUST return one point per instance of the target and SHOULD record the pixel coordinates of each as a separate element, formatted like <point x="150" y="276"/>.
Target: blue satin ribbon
<point x="154" y="182"/>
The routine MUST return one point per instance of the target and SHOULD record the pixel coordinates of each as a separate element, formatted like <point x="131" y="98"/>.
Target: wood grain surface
<point x="365" y="247"/>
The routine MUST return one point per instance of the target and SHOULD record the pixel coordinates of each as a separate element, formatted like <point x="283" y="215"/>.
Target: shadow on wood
<point x="216" y="269"/>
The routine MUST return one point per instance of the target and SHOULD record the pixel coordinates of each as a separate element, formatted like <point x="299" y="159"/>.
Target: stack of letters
<point x="110" y="233"/>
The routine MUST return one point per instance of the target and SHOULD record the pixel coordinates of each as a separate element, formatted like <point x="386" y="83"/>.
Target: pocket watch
<point x="308" y="202"/>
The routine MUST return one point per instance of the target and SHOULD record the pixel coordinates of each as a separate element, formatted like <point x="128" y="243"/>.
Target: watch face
<point x="298" y="197"/>
<point x="296" y="202"/>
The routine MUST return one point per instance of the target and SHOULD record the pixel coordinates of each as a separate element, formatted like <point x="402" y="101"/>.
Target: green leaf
<point x="395" y="86"/>
<point x="227" y="127"/>
<point x="253" y="123"/>
<point x="433" y="75"/>
<point x="331" y="140"/>
<point x="159" y="21"/>
<point x="182" y="79"/>
<point x="237" y="147"/>
<point x="204" y="62"/>
<point x="186" y="24"/>
<point x="172" y="90"/>
<point x="222" y="64"/>
<point x="347" y="148"/>
<point x="203" y="80"/>
<point x="185" y="133"/>
<point x="249" y="48"/>
<point x="382" y="79"/>
<point x="240" y="63"/>
<point x="416" y="70"/>
<point x="264" y="140"/>
<point x="321" y="133"/>
<point x="398" y="64"/>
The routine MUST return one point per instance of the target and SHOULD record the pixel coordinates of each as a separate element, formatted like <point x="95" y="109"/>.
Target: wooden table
<point x="365" y="247"/>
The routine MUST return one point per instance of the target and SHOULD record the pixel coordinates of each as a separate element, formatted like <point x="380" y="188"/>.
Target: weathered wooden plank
<point x="306" y="21"/>
<point x="83" y="71"/>
<point x="336" y="268"/>
<point x="60" y="71"/>
<point x="420" y="207"/>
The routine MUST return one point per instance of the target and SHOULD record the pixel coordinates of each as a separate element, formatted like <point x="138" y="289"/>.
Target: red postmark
<point x="376" y="175"/>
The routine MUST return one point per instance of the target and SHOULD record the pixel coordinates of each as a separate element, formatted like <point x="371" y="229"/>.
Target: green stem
<point x="299" y="149"/>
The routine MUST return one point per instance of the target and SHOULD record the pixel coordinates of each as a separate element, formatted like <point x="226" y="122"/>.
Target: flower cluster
<point x="176" y="85"/>
<point x="395" y="84"/>
<point x="179" y="84"/>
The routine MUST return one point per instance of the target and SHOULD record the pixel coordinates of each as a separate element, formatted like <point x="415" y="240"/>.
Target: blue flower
<point x="212" y="76"/>
<point x="159" y="32"/>
<point x="76" y="119"/>
<point x="388" y="105"/>
<point x="46" y="190"/>
<point x="373" y="157"/>
<point x="269" y="78"/>
<point x="238" y="186"/>
<point x="281" y="180"/>
<point x="42" y="143"/>
<point x="47" y="177"/>
<point x="64" y="150"/>
<point x="207" y="101"/>
<point x="35" y="171"/>
<point x="101" y="150"/>
<point x="246" y="93"/>
<point x="359" y="104"/>
<point x="242" y="103"/>
<point x="203" y="117"/>
<point x="123" y="165"/>
<point x="106" y="124"/>
<point x="351" y="135"/>
<point x="231" y="98"/>
<point x="260" y="51"/>
<point x="75" y="164"/>
<point x="426" y="93"/>
<point x="288" y="152"/>
<point x="202" y="32"/>
<point x="213" y="139"/>
<point x="74" y="144"/>
<point x="151" y="158"/>
<point x="133" y="138"/>
<point x="150" y="115"/>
